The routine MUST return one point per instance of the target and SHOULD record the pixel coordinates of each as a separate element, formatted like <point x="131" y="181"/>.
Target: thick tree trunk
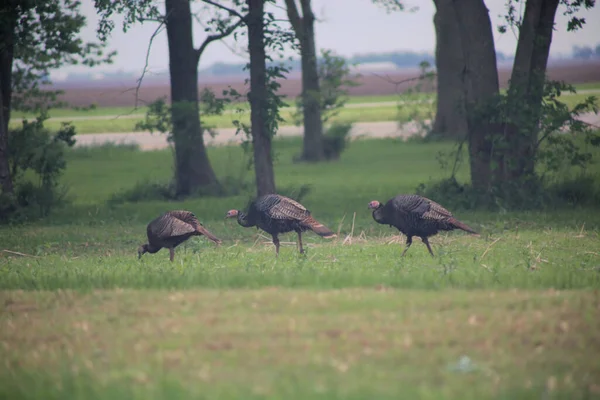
<point x="527" y="88"/>
<point x="258" y="96"/>
<point x="6" y="183"/>
<point x="192" y="167"/>
<point x="311" y="93"/>
<point x="480" y="85"/>
<point x="450" y="118"/>
<point x="7" y="25"/>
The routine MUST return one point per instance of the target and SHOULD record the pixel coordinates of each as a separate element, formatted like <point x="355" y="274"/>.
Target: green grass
<point x="370" y="114"/>
<point x="588" y="86"/>
<point x="82" y="317"/>
<point x="126" y="111"/>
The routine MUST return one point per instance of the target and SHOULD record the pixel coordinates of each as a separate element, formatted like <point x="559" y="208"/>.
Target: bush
<point x="165" y="191"/>
<point x="335" y="140"/>
<point x="581" y="190"/>
<point x="37" y="160"/>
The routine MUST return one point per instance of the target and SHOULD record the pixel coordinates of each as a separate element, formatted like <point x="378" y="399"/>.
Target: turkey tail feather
<point x="460" y="225"/>
<point x="318" y="228"/>
<point x="209" y="235"/>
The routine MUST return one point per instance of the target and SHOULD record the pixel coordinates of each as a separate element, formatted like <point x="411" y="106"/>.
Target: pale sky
<point x="349" y="27"/>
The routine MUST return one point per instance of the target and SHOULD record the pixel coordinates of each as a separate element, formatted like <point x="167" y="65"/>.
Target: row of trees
<point x="586" y="52"/>
<point x="502" y="130"/>
<point x="265" y="37"/>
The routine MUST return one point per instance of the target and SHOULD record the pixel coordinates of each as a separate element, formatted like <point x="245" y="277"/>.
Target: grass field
<point x="408" y="107"/>
<point x="511" y="314"/>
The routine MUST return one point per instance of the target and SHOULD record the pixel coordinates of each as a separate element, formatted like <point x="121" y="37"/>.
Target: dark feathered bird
<point x="170" y="230"/>
<point x="277" y="214"/>
<point x="414" y="215"/>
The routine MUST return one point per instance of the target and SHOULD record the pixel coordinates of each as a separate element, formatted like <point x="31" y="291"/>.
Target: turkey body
<point x="171" y="229"/>
<point x="276" y="214"/>
<point x="415" y="215"/>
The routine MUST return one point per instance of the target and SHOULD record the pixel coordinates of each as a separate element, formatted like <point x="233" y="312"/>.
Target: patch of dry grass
<point x="378" y="341"/>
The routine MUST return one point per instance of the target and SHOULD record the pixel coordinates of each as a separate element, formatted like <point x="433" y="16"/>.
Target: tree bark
<point x="7" y="25"/>
<point x="311" y="93"/>
<point x="192" y="166"/>
<point x="527" y="87"/>
<point x="258" y="96"/>
<point x="450" y="118"/>
<point x="480" y="86"/>
<point x="6" y="183"/>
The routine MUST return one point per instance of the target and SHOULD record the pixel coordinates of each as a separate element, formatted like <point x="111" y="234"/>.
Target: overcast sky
<point x="349" y="27"/>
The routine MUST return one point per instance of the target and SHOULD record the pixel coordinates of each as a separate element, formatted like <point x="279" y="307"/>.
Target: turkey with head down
<point x="170" y="230"/>
<point x="414" y="215"/>
<point x="275" y="214"/>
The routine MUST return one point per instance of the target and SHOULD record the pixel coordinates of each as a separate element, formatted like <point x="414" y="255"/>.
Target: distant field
<point x="128" y="112"/>
<point x="377" y="108"/>
<point x="122" y="94"/>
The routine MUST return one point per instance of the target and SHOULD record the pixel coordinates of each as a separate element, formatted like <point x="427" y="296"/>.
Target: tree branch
<point x="141" y="78"/>
<point x="294" y="17"/>
<point x="145" y="70"/>
<point x="218" y="36"/>
<point x="160" y="20"/>
<point x="231" y="11"/>
<point x="398" y="83"/>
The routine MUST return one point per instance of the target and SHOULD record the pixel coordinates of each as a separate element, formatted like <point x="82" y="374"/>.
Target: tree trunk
<point x="6" y="183"/>
<point x="258" y="96"/>
<point x="7" y="25"/>
<point x="192" y="167"/>
<point x="527" y="87"/>
<point x="450" y="118"/>
<point x="480" y="86"/>
<point x="311" y="92"/>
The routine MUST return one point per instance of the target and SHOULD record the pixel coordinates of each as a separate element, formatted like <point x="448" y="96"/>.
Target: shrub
<point x="37" y="160"/>
<point x="335" y="140"/>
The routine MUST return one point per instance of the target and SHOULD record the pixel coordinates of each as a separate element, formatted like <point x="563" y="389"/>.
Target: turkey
<point x="414" y="215"/>
<point x="170" y="230"/>
<point x="277" y="214"/>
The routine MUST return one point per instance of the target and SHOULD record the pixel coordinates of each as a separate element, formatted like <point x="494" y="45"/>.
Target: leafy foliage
<point x="336" y="139"/>
<point x="513" y="17"/>
<point x="38" y="37"/>
<point x="335" y="78"/>
<point x="132" y="11"/>
<point x="276" y="40"/>
<point x="46" y="37"/>
<point x="421" y="110"/>
<point x="158" y="119"/>
<point x="563" y="142"/>
<point x="37" y="161"/>
<point x="158" y="116"/>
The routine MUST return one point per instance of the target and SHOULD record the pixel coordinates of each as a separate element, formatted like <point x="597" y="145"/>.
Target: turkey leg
<point x="408" y="243"/>
<point x="426" y="241"/>
<point x="171" y="253"/>
<point x="300" y="243"/>
<point x="276" y="243"/>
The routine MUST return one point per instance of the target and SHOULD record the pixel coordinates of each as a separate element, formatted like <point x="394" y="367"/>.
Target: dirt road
<point x="156" y="141"/>
<point x="147" y="141"/>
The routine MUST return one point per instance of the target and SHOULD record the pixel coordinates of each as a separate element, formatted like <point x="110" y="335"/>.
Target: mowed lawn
<point x="511" y="314"/>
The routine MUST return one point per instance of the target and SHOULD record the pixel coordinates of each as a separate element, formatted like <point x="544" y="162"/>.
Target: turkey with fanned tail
<point x="415" y="215"/>
<point x="275" y="214"/>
